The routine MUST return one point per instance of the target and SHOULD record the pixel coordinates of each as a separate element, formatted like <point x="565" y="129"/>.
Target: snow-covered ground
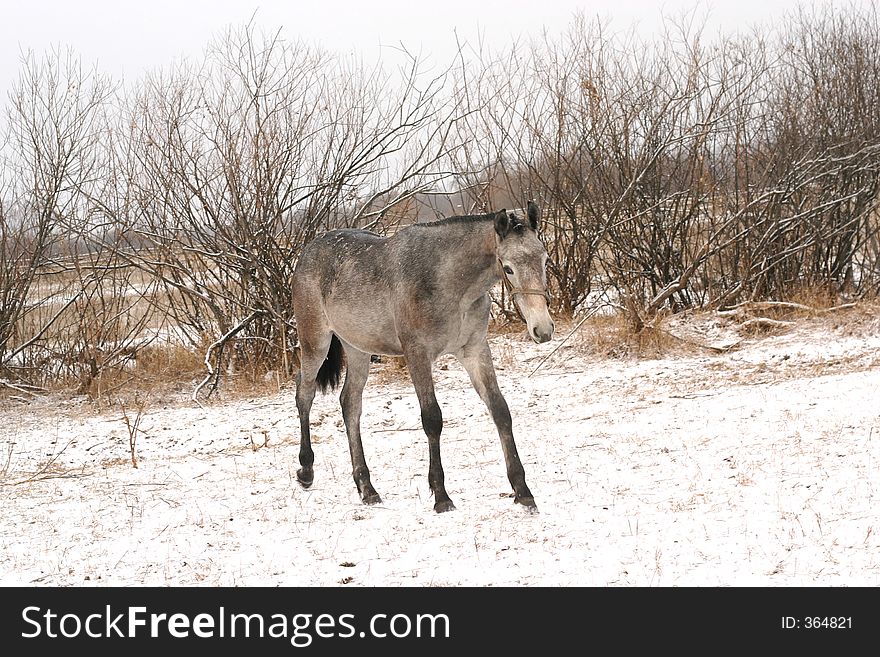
<point x="752" y="466"/>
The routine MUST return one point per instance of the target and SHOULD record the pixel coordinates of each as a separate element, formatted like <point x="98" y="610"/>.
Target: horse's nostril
<point x="540" y="336"/>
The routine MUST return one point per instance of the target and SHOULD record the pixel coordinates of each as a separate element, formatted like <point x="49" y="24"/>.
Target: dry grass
<point x="171" y="371"/>
<point x="820" y="298"/>
<point x="864" y="316"/>
<point x="390" y="369"/>
<point x="245" y="384"/>
<point x="613" y="336"/>
<point x="168" y="361"/>
<point x="504" y="326"/>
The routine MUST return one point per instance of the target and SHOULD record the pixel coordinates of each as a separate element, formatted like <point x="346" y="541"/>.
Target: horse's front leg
<point x="419" y="366"/>
<point x="477" y="361"/>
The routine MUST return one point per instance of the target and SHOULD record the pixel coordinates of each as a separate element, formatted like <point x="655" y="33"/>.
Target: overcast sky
<point x="124" y="38"/>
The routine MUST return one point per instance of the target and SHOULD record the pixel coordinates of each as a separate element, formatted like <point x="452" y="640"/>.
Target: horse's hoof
<point x="305" y="479"/>
<point x="528" y="504"/>
<point x="372" y="498"/>
<point x="444" y="506"/>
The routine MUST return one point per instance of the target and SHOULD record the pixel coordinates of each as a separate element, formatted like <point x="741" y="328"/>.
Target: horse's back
<point x="345" y="274"/>
<point x="335" y="257"/>
<point x="337" y="245"/>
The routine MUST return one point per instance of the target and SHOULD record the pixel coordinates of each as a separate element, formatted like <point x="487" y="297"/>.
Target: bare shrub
<point x="133" y="427"/>
<point x="151" y="228"/>
<point x="50" y="159"/>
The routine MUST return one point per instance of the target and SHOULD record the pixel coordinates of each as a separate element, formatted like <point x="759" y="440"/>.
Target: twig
<point x="45" y="476"/>
<point x="42" y="330"/>
<point x="565" y="339"/>
<point x="43" y="471"/>
<point x="10" y="447"/>
<point x="567" y="373"/>
<point x="133" y="429"/>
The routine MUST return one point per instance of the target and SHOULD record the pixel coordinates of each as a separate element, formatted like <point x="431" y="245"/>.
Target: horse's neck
<point x="478" y="262"/>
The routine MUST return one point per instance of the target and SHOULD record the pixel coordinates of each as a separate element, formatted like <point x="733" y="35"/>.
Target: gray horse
<point x="420" y="293"/>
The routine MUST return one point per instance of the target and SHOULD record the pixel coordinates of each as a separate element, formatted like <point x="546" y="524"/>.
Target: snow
<point x="751" y="466"/>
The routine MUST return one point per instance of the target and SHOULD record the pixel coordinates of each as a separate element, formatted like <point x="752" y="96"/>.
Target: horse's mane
<point x="466" y="219"/>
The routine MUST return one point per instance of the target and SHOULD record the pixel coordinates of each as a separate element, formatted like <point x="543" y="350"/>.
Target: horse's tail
<point x="331" y="368"/>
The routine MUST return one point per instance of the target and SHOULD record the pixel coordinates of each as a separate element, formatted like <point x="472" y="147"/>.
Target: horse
<point x="419" y="293"/>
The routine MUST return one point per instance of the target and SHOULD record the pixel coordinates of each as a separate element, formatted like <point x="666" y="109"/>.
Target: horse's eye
<point x="508" y="270"/>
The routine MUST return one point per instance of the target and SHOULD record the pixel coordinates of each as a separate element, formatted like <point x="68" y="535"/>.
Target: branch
<point x="44" y="329"/>
<point x="219" y="344"/>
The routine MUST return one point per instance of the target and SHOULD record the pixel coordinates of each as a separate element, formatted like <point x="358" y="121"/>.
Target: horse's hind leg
<point x="477" y="360"/>
<point x="419" y="366"/>
<point x="351" y="398"/>
<point x="313" y="351"/>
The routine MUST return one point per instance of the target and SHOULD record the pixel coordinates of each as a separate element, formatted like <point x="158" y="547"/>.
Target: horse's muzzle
<point x="540" y="336"/>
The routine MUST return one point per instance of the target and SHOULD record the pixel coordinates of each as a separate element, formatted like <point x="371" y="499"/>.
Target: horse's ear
<point x="502" y="223"/>
<point x="534" y="215"/>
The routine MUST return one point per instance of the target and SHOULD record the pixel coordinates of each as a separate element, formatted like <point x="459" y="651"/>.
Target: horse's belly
<point x="365" y="327"/>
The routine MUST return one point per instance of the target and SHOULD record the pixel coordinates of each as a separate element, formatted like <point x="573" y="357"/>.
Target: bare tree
<point x="50" y="155"/>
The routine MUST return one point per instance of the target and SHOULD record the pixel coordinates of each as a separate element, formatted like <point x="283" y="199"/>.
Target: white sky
<point x="125" y="38"/>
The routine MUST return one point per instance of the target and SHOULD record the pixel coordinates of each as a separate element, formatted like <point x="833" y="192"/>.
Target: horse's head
<point x="523" y="259"/>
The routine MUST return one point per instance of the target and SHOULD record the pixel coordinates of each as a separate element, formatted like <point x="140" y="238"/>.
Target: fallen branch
<point x="764" y="322"/>
<point x="790" y="305"/>
<point x="787" y="305"/>
<point x="21" y="387"/>
<point x="219" y="344"/>
<point x="720" y="349"/>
